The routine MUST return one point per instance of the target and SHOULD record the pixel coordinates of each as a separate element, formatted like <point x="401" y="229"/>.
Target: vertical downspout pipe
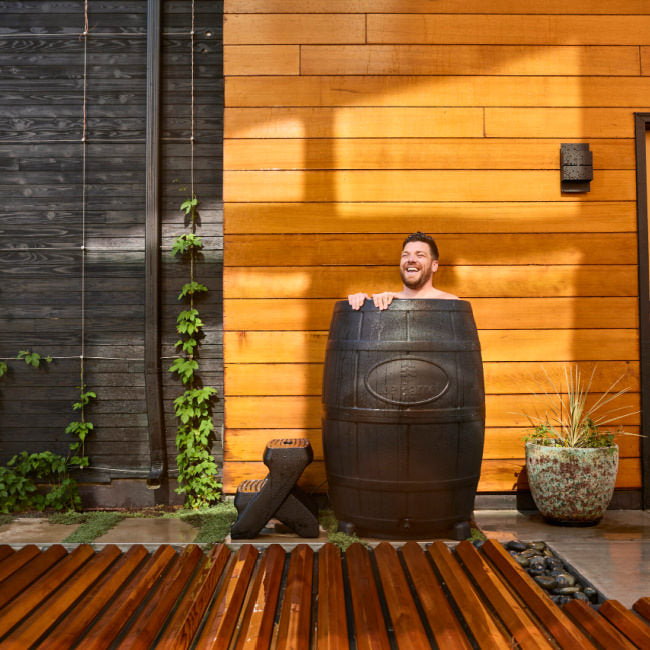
<point x="153" y="386"/>
<point x="641" y="125"/>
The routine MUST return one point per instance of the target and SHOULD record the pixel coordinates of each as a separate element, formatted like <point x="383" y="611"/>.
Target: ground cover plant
<point x="43" y="480"/>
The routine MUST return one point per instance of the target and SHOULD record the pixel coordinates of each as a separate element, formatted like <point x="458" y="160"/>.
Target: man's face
<point x="417" y="266"/>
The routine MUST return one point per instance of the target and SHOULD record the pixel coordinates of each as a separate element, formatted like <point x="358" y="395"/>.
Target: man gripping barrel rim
<point x="417" y="265"/>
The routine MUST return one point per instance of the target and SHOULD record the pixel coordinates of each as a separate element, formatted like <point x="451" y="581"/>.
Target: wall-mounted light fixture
<point x="576" y="167"/>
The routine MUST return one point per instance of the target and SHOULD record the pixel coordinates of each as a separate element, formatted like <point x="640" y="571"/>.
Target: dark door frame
<point x="641" y="125"/>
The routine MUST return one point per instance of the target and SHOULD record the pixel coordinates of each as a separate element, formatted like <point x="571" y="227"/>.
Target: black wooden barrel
<point x="403" y="417"/>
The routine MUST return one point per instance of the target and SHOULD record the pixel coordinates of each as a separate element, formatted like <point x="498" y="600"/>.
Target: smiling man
<point x="418" y="264"/>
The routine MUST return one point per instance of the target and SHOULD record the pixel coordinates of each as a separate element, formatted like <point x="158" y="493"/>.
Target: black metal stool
<point x="277" y="495"/>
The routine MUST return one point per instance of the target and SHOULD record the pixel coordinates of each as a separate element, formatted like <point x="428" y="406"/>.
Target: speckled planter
<point x="571" y="486"/>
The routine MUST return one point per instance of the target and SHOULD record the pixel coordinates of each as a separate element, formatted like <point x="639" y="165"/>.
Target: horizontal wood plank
<point x="421" y="185"/>
<point x="509" y="378"/>
<point x="466" y="281"/>
<point x="261" y="59"/>
<point x="560" y="122"/>
<point x="489" y="313"/>
<point x="496" y="345"/>
<point x="468" y="59"/>
<point x="509" y="29"/>
<point x="291" y="412"/>
<point x="460" y="249"/>
<point x="269" y="29"/>
<point x="496" y="475"/>
<point x="439" y="7"/>
<point x="353" y="122"/>
<point x="471" y="90"/>
<point x="416" y="153"/>
<point x="500" y="442"/>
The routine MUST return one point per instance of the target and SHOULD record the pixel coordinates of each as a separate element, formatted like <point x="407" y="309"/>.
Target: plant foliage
<point x="572" y="419"/>
<point x="197" y="469"/>
<point x="42" y="480"/>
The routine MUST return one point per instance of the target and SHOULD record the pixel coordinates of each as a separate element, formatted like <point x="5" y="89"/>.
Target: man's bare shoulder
<point x="443" y="295"/>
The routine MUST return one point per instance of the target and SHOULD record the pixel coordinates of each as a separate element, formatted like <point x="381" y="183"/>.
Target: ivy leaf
<point x="191" y="288"/>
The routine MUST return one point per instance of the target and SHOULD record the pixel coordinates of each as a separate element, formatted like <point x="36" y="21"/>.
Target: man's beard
<point x="415" y="283"/>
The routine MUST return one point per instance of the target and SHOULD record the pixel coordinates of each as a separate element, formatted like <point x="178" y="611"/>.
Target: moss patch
<point x="329" y="522"/>
<point x="214" y="523"/>
<point x="91" y="524"/>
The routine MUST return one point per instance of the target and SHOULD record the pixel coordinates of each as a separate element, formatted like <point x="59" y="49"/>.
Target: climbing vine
<point x="42" y="480"/>
<point x="197" y="469"/>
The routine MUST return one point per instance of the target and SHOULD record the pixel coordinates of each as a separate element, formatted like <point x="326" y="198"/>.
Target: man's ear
<point x="434" y="266"/>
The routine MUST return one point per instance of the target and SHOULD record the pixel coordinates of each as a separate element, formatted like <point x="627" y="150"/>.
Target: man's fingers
<point x="357" y="299"/>
<point x="382" y="300"/>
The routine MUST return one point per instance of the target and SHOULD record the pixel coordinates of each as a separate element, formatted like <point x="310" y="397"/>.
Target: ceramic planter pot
<point x="570" y="485"/>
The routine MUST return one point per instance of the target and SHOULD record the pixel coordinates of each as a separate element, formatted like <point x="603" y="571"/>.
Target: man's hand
<point x="382" y="300"/>
<point x="357" y="299"/>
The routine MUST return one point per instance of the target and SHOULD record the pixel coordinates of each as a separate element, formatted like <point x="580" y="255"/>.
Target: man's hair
<point x="420" y="236"/>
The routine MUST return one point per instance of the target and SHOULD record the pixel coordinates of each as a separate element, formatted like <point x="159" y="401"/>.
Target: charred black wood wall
<point x="72" y="218"/>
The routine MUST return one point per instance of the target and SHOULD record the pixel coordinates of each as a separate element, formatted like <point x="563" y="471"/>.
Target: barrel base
<point x="459" y="531"/>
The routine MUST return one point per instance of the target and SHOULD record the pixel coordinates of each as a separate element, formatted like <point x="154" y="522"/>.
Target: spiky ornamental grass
<point x="569" y="421"/>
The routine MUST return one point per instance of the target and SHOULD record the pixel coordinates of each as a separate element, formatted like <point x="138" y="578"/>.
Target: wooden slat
<point x="257" y="621"/>
<point x="504" y="29"/>
<point x="419" y="185"/>
<point x="414" y="153"/>
<point x="268" y="29"/>
<point x="500" y="442"/>
<point x="497" y="475"/>
<point x="501" y="378"/>
<point x="556" y="622"/>
<point x="468" y="59"/>
<point x="118" y="614"/>
<point x="37" y="624"/>
<point x="438" y="218"/>
<point x="596" y="626"/>
<point x="5" y="552"/>
<point x="483" y="627"/>
<point x="354" y="122"/>
<point x="150" y="619"/>
<point x="465" y="281"/>
<point x="633" y="627"/>
<point x="443" y="623"/>
<point x="27" y="601"/>
<point x="369" y="623"/>
<point x="332" y="628"/>
<point x="515" y="618"/>
<point x="645" y="60"/>
<point x="31" y="571"/>
<point x="489" y="313"/>
<point x="14" y="560"/>
<point x="472" y="90"/>
<point x="460" y="249"/>
<point x="407" y="626"/>
<point x="78" y="619"/>
<point x="182" y="627"/>
<point x="295" y="617"/>
<point x="222" y="618"/>
<point x="261" y="59"/>
<point x="559" y="122"/>
<point x="496" y="345"/>
<point x="642" y="607"/>
<point x="439" y="7"/>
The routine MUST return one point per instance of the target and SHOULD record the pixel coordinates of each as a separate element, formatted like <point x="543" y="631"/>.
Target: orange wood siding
<point x="351" y="123"/>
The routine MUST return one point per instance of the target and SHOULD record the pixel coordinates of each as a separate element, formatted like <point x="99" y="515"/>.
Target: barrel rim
<point x="410" y="304"/>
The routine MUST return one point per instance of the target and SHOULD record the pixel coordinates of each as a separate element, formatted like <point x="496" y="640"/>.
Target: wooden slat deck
<point x="407" y="598"/>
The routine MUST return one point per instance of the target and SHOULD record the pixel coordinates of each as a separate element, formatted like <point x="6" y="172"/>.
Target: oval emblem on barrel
<point x="407" y="381"/>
